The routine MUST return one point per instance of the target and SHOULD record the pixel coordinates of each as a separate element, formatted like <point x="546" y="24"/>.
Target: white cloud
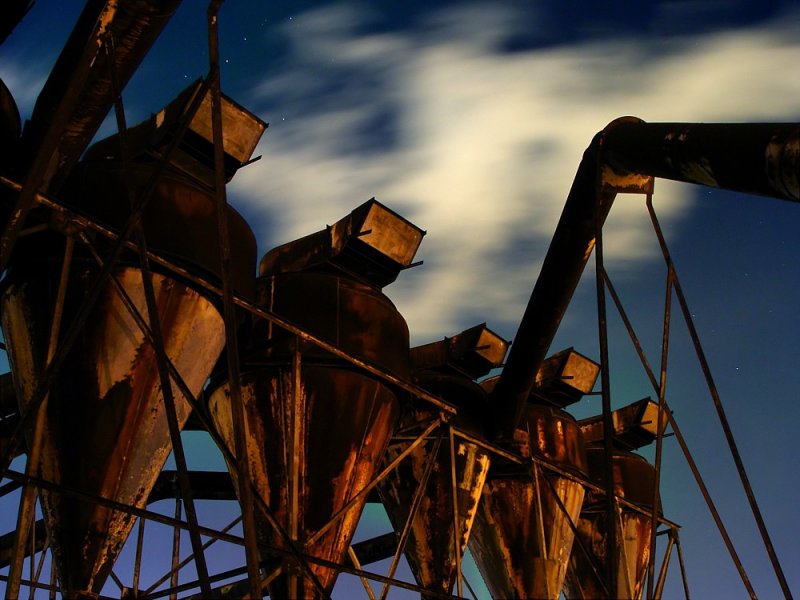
<point x="486" y="144"/>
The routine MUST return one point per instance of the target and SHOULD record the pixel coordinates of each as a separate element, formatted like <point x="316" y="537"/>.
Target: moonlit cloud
<point x="482" y="146"/>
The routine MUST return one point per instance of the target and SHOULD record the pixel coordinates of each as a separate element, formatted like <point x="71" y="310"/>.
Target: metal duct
<point x="754" y="158"/>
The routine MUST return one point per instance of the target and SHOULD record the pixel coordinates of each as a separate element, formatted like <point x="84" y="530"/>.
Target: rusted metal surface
<point x="431" y="549"/>
<point x="440" y="527"/>
<point x="564" y="378"/>
<point x="114" y="441"/>
<point x="372" y="243"/>
<point x="316" y="428"/>
<point x="521" y="539"/>
<point x="350" y="315"/>
<point x="756" y="158"/>
<point x="634" y="479"/>
<point x="176" y="200"/>
<point x="472" y="353"/>
<point x="625" y="156"/>
<point x="635" y="425"/>
<point x="77" y="97"/>
<point x="121" y="420"/>
<point x="339" y="451"/>
<point x="194" y="155"/>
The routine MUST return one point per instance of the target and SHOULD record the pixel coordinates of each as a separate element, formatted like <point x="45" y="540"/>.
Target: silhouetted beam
<point x="754" y="158"/>
<point x="9" y="413"/>
<point x="7" y="544"/>
<point x="206" y="485"/>
<point x="375" y="549"/>
<point x="78" y="95"/>
<point x="11" y="14"/>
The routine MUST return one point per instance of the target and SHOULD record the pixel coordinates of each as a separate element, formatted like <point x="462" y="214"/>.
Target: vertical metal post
<point x="231" y="341"/>
<point x="32" y="561"/>
<point x="52" y="593"/>
<point x="662" y="386"/>
<point x="417" y="500"/>
<point x="540" y="525"/>
<point x="456" y="519"/>
<point x="137" y="564"/>
<point x="723" y="419"/>
<point x="295" y="452"/>
<point x="176" y="549"/>
<point x="662" y="576"/>
<point x="608" y="423"/>
<point x="26" y="513"/>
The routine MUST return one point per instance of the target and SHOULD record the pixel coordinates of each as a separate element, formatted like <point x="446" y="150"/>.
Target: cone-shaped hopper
<point x="440" y="527"/>
<point x="634" y="479"/>
<point x="316" y="427"/>
<point x="105" y="431"/>
<point x="431" y="546"/>
<point x="522" y="537"/>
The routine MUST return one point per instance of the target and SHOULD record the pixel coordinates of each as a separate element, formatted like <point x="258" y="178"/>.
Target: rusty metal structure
<point x="121" y="334"/>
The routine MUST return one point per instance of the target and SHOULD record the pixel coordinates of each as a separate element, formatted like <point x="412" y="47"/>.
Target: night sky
<point x="470" y="119"/>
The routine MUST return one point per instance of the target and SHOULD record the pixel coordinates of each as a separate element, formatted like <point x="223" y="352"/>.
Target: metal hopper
<point x="634" y="480"/>
<point x="523" y="531"/>
<point x="105" y="429"/>
<point x="438" y="530"/>
<point x="102" y="429"/>
<point x="316" y="426"/>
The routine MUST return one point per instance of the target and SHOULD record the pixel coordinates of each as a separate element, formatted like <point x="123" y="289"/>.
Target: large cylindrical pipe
<point x="521" y="539"/>
<point x="78" y="94"/>
<point x="754" y="158"/>
<point x="316" y="427"/>
<point x="634" y="480"/>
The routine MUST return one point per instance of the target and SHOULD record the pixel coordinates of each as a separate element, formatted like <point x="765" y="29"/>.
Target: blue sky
<point x="470" y="120"/>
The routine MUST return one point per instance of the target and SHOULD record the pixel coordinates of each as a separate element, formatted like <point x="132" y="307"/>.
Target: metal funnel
<point x="439" y="529"/>
<point x="105" y="431"/>
<point x="316" y="427"/>
<point x="521" y="539"/>
<point x="440" y="526"/>
<point x="634" y="479"/>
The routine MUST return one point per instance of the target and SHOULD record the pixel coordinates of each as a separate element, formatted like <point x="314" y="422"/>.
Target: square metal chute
<point x="375" y="243"/>
<point x="565" y="378"/>
<point x="194" y="156"/>
<point x="635" y="425"/>
<point x="372" y="244"/>
<point x="474" y="352"/>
